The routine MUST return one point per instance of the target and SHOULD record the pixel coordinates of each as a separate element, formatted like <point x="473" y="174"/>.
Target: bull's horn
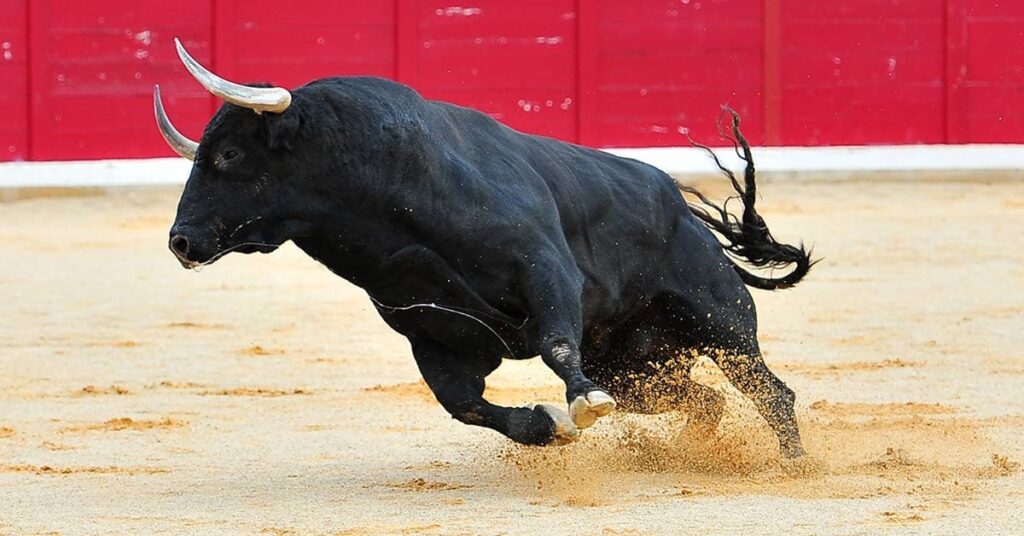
<point x="181" y="145"/>
<point x="260" y="99"/>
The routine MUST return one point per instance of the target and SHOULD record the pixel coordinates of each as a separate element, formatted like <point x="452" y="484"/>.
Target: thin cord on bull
<point x="198" y="266"/>
<point x="220" y="254"/>
<point x="454" y="311"/>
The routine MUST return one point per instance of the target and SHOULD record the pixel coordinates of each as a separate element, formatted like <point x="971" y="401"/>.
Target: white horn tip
<point x="259" y="99"/>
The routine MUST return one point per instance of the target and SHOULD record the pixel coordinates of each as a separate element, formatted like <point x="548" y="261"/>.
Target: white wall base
<point x="674" y="160"/>
<point x="683" y="160"/>
<point x="89" y="173"/>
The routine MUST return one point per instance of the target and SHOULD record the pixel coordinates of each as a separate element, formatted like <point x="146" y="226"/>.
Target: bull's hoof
<point x="565" y="430"/>
<point x="585" y="410"/>
<point x="792" y="451"/>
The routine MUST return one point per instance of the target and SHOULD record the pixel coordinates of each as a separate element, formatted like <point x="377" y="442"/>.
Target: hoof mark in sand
<point x="902" y="517"/>
<point x="417" y="390"/>
<point x="93" y="390"/>
<point x="126" y="423"/>
<point x="113" y="344"/>
<point x="420" y="484"/>
<point x="1005" y="466"/>
<point x="178" y="385"/>
<point x="854" y="409"/>
<point x="51" y="445"/>
<point x="196" y="325"/>
<point x="109" y="470"/>
<point x="258" y="350"/>
<point x="256" y="391"/>
<point x="826" y="369"/>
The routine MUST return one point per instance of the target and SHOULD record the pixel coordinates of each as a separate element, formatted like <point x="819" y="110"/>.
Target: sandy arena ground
<point x="264" y="395"/>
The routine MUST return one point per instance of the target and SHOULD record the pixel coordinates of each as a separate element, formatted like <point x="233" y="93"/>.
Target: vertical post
<point x="772" y="75"/>
<point x="954" y="105"/>
<point x="396" y="6"/>
<point x="221" y="60"/>
<point x="40" y="23"/>
<point x="406" y="41"/>
<point x="29" y="84"/>
<point x="587" y="80"/>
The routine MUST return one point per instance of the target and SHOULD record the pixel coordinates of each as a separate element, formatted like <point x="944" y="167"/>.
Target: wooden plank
<point x="14" y="127"/>
<point x="772" y="72"/>
<point x="587" y="73"/>
<point x="666" y="68"/>
<point x="514" y="61"/>
<point x="862" y="72"/>
<point x="985" y="72"/>
<point x="94" y="64"/>
<point x="255" y="41"/>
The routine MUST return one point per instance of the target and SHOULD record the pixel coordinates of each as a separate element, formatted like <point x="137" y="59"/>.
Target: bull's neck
<point x="363" y="235"/>
<point x="360" y="253"/>
<point x="357" y="263"/>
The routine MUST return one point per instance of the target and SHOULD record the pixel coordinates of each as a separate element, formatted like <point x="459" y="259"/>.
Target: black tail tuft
<point x="748" y="239"/>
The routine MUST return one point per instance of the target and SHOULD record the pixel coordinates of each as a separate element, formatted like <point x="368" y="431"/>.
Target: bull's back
<point x="620" y="228"/>
<point x="618" y="215"/>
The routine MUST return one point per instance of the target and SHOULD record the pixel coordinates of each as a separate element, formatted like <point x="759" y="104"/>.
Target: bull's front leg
<point x="554" y="291"/>
<point x="458" y="384"/>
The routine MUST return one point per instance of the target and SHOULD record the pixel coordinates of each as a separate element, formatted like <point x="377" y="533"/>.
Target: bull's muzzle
<point x="181" y="246"/>
<point x="190" y="247"/>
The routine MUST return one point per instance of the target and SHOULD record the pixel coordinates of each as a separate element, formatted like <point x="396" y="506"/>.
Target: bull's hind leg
<point x="715" y="313"/>
<point x="458" y="384"/>
<point x="726" y="326"/>
<point x="773" y="399"/>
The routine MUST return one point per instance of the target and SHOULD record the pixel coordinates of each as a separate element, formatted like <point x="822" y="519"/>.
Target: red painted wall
<point x="76" y="76"/>
<point x="256" y="41"/>
<point x="13" y="80"/>
<point x="985" y="75"/>
<point x="860" y="71"/>
<point x="515" y="60"/>
<point x="654" y="68"/>
<point x="93" y="66"/>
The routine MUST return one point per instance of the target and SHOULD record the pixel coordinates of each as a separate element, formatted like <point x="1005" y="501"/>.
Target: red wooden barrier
<point x="654" y="68"/>
<point x="856" y="72"/>
<point x="985" y="71"/>
<point x="514" y="60"/>
<point x="94" y="63"/>
<point x="600" y="72"/>
<point x="256" y="40"/>
<point x="13" y="80"/>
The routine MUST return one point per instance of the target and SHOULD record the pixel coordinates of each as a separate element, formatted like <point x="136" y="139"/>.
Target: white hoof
<point x="565" y="431"/>
<point x="586" y="410"/>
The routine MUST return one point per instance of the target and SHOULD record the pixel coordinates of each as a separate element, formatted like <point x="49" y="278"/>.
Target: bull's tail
<point x="748" y="240"/>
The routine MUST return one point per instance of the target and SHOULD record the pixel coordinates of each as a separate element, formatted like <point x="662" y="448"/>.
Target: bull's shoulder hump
<point x="356" y="82"/>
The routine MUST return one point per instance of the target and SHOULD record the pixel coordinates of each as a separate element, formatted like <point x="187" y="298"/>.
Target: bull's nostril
<point x="180" y="245"/>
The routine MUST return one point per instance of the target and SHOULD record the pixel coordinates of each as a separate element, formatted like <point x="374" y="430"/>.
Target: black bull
<point x="478" y="243"/>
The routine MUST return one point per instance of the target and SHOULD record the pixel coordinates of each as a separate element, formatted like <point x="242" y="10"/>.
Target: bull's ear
<point x="282" y="129"/>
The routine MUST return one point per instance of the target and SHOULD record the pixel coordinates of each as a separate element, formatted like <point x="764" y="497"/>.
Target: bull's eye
<point x="227" y="157"/>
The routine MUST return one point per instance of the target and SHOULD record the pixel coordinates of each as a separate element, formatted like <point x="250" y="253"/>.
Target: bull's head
<point x="243" y="193"/>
